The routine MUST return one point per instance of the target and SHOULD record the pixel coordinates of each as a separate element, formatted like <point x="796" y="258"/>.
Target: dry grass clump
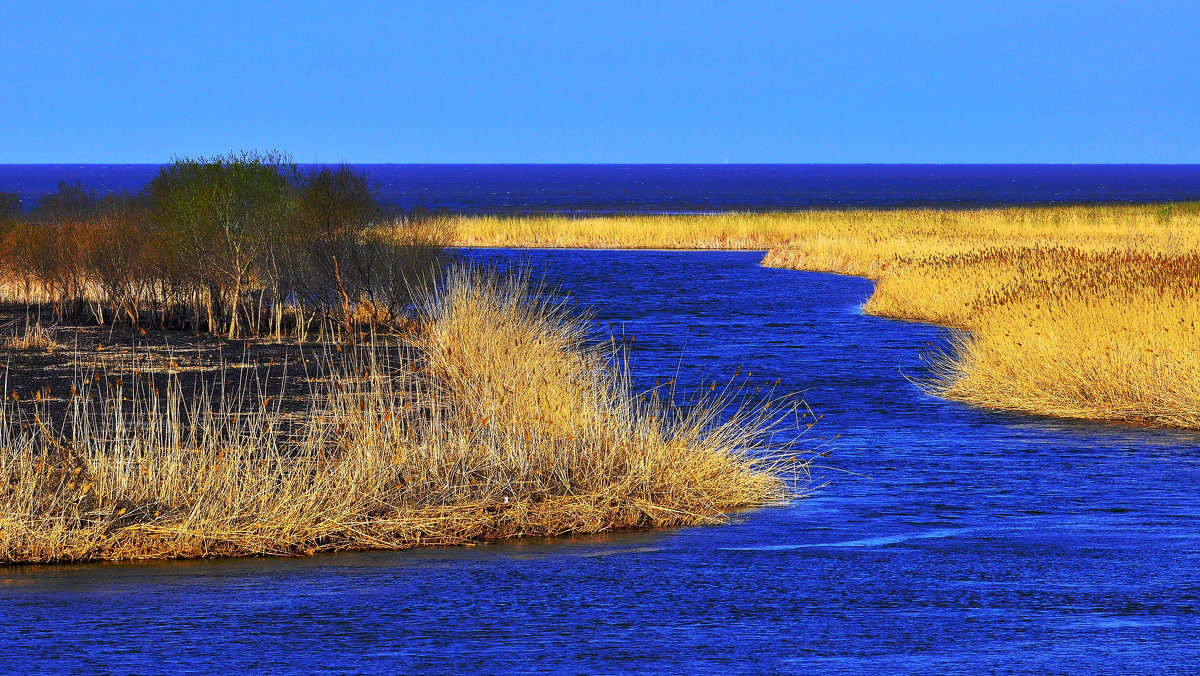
<point x="497" y="419"/>
<point x="30" y="337"/>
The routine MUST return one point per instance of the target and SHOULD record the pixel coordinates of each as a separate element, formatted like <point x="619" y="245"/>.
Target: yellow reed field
<point x="724" y="231"/>
<point x="834" y="238"/>
<point x="1074" y="312"/>
<point x="1126" y="355"/>
<point x="494" y="419"/>
<point x="954" y="290"/>
<point x="1066" y="307"/>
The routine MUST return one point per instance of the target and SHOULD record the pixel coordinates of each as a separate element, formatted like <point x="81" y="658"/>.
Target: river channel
<point x="946" y="539"/>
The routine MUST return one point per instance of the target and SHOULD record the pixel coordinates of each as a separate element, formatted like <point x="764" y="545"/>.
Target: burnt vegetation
<point x="240" y="245"/>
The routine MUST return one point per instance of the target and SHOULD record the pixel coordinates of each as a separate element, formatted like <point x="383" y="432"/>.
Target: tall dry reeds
<point x="1122" y="355"/>
<point x="724" y="231"/>
<point x="838" y="240"/>
<point x="1085" y="312"/>
<point x="1081" y="311"/>
<point x="28" y="336"/>
<point x="495" y="418"/>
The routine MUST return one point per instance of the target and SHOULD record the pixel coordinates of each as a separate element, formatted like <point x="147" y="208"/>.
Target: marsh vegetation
<point x="1077" y="311"/>
<point x="241" y="245"/>
<point x="496" y="418"/>
<point x="441" y="404"/>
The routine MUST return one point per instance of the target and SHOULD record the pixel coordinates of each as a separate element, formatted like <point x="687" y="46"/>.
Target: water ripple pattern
<point x="965" y="541"/>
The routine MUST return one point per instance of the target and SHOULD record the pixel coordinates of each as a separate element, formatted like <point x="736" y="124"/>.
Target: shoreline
<point x="1061" y="271"/>
<point x="457" y="245"/>
<point x="490" y="421"/>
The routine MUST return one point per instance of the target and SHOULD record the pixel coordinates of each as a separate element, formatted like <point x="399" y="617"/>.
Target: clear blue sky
<point x="603" y="82"/>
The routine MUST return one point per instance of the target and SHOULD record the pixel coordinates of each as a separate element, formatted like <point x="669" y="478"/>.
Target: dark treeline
<point x="244" y="244"/>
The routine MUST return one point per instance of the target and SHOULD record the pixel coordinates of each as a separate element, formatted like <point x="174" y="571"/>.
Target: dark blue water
<point x="967" y="541"/>
<point x="582" y="188"/>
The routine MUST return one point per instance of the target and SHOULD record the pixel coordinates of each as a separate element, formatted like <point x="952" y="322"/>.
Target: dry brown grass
<point x="1085" y="312"/>
<point x="867" y="241"/>
<point x="724" y="231"/>
<point x="1080" y="311"/>
<point x="495" y="419"/>
<point x="1126" y="355"/>
<point x="30" y="336"/>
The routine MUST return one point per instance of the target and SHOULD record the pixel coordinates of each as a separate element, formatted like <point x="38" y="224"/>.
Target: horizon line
<point x="643" y="164"/>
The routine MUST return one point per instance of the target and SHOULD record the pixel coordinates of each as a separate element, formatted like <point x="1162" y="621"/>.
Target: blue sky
<point x="603" y="82"/>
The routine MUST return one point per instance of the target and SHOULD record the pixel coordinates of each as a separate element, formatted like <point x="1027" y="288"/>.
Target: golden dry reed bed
<point x="724" y="231"/>
<point x="494" y="419"/>
<point x="1074" y="311"/>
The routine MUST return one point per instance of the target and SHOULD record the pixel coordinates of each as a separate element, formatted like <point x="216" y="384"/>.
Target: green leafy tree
<point x="218" y="219"/>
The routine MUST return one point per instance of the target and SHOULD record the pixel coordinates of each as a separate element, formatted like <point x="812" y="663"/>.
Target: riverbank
<point x="1077" y="311"/>
<point x="492" y="418"/>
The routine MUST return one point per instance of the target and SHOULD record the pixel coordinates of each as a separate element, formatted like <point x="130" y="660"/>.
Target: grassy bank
<point x="1086" y="312"/>
<point x="1078" y="311"/>
<point x="492" y="418"/>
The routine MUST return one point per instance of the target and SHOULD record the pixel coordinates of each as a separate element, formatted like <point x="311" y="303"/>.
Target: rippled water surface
<point x="965" y="540"/>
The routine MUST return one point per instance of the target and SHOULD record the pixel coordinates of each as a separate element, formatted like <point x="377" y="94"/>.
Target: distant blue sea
<point x="667" y="188"/>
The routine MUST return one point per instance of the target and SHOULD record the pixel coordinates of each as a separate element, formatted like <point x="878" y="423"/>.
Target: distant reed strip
<point x="494" y="418"/>
<point x="1074" y="311"/>
<point x="904" y="228"/>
